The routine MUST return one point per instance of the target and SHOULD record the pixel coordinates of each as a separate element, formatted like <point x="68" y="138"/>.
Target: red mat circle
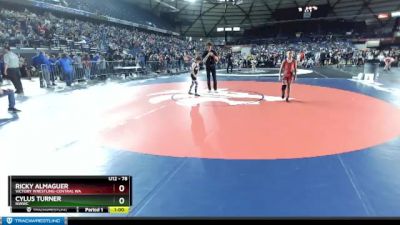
<point x="319" y="121"/>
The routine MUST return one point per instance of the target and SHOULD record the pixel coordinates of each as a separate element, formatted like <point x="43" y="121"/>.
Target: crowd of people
<point x="87" y="48"/>
<point x="320" y="52"/>
<point x="93" y="43"/>
<point x="27" y="29"/>
<point x="116" y="9"/>
<point x="112" y="42"/>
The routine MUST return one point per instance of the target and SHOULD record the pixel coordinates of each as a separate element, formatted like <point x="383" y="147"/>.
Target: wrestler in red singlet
<point x="289" y="69"/>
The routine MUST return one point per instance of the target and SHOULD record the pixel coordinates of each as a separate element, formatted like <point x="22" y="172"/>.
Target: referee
<point x="11" y="69"/>
<point x="210" y="59"/>
<point x="11" y="100"/>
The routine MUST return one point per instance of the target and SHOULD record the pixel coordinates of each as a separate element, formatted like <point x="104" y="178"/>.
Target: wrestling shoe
<point x="13" y="110"/>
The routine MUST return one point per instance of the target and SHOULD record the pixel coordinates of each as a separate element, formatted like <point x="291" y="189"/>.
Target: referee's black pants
<point x="211" y="72"/>
<point x="14" y="75"/>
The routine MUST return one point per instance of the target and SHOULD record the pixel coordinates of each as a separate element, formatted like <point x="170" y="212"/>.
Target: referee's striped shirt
<point x="12" y="60"/>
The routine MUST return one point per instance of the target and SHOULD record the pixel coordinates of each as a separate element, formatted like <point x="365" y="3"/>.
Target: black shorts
<point x="193" y="77"/>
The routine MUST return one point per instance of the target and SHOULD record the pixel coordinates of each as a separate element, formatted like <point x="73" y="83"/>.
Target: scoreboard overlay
<point x="70" y="194"/>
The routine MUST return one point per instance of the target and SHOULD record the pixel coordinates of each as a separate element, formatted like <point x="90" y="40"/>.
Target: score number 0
<point x="121" y="200"/>
<point x="121" y="188"/>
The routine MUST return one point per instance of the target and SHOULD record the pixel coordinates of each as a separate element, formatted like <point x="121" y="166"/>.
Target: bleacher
<point x="118" y="9"/>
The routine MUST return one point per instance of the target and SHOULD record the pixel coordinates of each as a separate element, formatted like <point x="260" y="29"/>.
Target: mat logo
<point x="229" y="97"/>
<point x="9" y="220"/>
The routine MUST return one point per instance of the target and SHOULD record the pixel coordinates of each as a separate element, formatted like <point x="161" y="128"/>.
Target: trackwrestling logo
<point x="229" y="97"/>
<point x="33" y="220"/>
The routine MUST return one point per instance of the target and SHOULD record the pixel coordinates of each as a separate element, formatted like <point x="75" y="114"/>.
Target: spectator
<point x="1" y="69"/>
<point x="24" y="68"/>
<point x="229" y="59"/>
<point x="388" y="63"/>
<point x="66" y="65"/>
<point x="52" y="69"/>
<point x="87" y="64"/>
<point x="102" y="66"/>
<point x="310" y="63"/>
<point x="78" y="65"/>
<point x="43" y="63"/>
